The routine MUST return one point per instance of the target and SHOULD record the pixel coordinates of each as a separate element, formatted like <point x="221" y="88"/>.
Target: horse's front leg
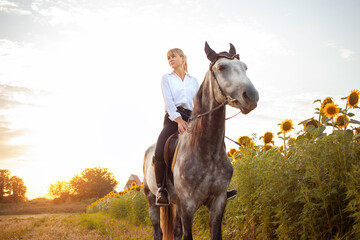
<point x="154" y="213"/>
<point x="216" y="209"/>
<point x="187" y="215"/>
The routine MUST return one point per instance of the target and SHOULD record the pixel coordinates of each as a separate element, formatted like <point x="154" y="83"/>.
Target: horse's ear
<point x="232" y="50"/>
<point x="210" y="54"/>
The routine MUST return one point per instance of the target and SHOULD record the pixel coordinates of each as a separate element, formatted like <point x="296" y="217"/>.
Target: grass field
<point x="43" y="219"/>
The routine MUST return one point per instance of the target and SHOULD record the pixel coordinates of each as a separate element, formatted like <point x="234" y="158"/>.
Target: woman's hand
<point x="182" y="125"/>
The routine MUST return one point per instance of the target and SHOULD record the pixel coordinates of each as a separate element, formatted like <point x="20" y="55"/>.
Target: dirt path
<point x="69" y="226"/>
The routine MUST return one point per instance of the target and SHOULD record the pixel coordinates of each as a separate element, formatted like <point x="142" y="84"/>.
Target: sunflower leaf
<point x="317" y="100"/>
<point x="343" y="98"/>
<point x="305" y="121"/>
<point x="351" y="114"/>
<point x="354" y="121"/>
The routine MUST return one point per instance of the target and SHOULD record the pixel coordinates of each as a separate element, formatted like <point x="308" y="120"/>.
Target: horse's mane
<point x="197" y="125"/>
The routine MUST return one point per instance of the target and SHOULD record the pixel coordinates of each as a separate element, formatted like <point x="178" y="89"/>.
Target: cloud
<point x="7" y="134"/>
<point x="344" y="53"/>
<point x="11" y="7"/>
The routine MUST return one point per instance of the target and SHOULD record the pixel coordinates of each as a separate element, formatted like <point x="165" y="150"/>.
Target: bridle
<point x="228" y="99"/>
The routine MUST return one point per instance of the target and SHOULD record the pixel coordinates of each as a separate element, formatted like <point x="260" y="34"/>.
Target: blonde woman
<point x="179" y="89"/>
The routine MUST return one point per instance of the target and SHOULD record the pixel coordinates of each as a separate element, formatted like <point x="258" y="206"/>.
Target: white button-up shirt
<point x="178" y="93"/>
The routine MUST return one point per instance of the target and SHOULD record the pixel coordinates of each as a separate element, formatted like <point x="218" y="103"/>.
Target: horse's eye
<point x="222" y="67"/>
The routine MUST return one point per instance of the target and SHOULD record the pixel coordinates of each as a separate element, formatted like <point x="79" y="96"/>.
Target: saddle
<point x="170" y="151"/>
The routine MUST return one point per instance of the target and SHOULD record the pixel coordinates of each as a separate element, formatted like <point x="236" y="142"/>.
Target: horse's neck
<point x="212" y="131"/>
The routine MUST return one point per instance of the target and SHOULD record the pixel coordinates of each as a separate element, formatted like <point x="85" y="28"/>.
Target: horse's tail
<point x="167" y="219"/>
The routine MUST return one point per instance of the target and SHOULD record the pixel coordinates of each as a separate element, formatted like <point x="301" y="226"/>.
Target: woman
<point x="178" y="89"/>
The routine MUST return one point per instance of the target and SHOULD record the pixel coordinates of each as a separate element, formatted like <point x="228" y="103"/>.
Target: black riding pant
<point x="170" y="127"/>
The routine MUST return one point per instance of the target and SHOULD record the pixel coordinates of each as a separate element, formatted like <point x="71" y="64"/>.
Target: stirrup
<point x="231" y="194"/>
<point x="158" y="196"/>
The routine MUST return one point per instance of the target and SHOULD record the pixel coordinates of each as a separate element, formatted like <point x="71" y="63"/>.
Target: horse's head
<point x="234" y="85"/>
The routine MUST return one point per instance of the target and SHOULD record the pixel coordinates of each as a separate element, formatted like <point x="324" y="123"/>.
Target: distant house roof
<point x="132" y="178"/>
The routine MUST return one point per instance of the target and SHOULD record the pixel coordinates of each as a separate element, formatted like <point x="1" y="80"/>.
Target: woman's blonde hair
<point x="179" y="52"/>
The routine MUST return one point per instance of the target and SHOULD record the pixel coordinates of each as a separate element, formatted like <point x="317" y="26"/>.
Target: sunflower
<point x="280" y="148"/>
<point x="331" y="110"/>
<point x="267" y="147"/>
<point x="325" y="102"/>
<point x="133" y="184"/>
<point x="232" y="152"/>
<point x="286" y="126"/>
<point x="340" y="123"/>
<point x="292" y="141"/>
<point x="312" y="122"/>
<point x="357" y="131"/>
<point x="268" y="137"/>
<point x="353" y="98"/>
<point x="244" y="140"/>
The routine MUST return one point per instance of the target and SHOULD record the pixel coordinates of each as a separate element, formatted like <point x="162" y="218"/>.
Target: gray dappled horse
<point x="202" y="170"/>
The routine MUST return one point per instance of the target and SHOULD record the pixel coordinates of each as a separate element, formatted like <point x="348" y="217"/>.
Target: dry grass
<point x="69" y="226"/>
<point x="42" y="205"/>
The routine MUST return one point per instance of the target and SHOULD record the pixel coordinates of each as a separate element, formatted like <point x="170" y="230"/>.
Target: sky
<point x="80" y="80"/>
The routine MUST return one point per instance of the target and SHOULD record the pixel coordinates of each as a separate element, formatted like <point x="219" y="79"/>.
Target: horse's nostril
<point x="245" y="96"/>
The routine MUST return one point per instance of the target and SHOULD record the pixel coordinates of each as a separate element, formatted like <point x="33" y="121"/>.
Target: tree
<point x="17" y="189"/>
<point x="93" y="182"/>
<point x="12" y="188"/>
<point x="60" y="190"/>
<point x="4" y="183"/>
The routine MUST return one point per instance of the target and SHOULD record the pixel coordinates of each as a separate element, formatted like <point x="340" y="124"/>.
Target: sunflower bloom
<point x="311" y="122"/>
<point x="353" y="98"/>
<point x="292" y="141"/>
<point x="357" y="131"/>
<point x="281" y="148"/>
<point x="325" y="102"/>
<point x="340" y="121"/>
<point x="286" y="126"/>
<point x="268" y="137"/>
<point x="232" y="152"/>
<point x="331" y="110"/>
<point x="133" y="184"/>
<point x="244" y="140"/>
<point x="267" y="147"/>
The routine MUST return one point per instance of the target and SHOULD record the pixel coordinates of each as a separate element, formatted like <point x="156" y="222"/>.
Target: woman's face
<point x="175" y="61"/>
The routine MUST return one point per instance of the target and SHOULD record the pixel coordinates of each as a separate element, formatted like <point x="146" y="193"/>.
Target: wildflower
<point x="232" y="152"/>
<point x="340" y="121"/>
<point x="331" y="110"/>
<point x="286" y="126"/>
<point x="325" y="102"/>
<point x="268" y="137"/>
<point x="312" y="122"/>
<point x="244" y="140"/>
<point x="353" y="98"/>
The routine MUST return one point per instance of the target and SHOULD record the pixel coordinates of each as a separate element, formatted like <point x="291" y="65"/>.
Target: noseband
<point x="228" y="98"/>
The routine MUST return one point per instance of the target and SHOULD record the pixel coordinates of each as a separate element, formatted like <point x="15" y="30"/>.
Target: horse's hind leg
<point x="216" y="209"/>
<point x="154" y="213"/>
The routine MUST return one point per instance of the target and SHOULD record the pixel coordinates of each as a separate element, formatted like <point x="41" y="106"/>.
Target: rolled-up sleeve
<point x="169" y="101"/>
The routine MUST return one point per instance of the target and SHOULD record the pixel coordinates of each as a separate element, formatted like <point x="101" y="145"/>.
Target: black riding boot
<point x="162" y="195"/>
